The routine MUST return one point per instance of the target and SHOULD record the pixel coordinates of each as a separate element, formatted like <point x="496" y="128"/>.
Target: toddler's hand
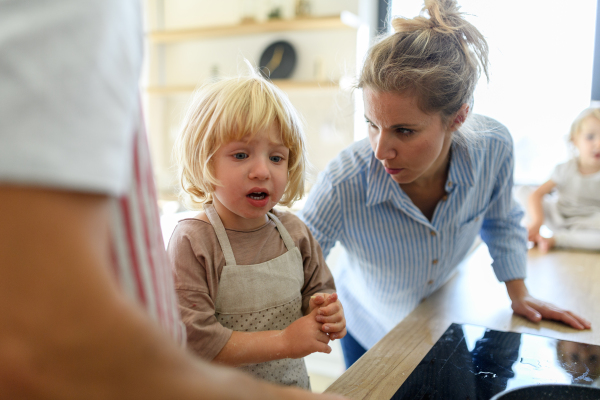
<point x="316" y="300"/>
<point x="331" y="314"/>
<point x="533" y="232"/>
<point x="304" y="336"/>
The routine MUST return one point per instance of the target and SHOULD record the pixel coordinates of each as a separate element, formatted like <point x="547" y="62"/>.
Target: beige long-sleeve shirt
<point x="197" y="259"/>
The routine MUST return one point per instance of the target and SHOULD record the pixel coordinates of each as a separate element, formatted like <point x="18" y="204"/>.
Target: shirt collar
<point x="381" y="187"/>
<point x="462" y="168"/>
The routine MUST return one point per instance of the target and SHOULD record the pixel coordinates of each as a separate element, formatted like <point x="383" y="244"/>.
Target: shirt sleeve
<point x="501" y="229"/>
<point x="317" y="276"/>
<point x="322" y="214"/>
<point x="69" y="92"/>
<point x="558" y="174"/>
<point x="196" y="286"/>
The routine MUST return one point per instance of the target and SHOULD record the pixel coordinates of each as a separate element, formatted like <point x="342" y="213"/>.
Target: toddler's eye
<point x="276" y="159"/>
<point x="240" y="156"/>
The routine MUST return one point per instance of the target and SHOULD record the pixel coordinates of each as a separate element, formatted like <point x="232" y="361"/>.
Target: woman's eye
<point x="276" y="159"/>
<point x="240" y="156"/>
<point x="404" y="132"/>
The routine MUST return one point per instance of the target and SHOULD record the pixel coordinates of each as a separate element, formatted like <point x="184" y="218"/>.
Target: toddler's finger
<point x="337" y="317"/>
<point x="333" y="328"/>
<point x="329" y="310"/>
<point x="324" y="348"/>
<point x="318" y="299"/>
<point x="338" y="335"/>
<point x="323" y="337"/>
<point x="330" y="298"/>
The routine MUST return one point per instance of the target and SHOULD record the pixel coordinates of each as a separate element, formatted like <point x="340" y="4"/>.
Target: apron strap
<point x="215" y="221"/>
<point x="287" y="239"/>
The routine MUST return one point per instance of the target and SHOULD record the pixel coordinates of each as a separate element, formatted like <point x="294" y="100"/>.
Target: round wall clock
<point x="278" y="60"/>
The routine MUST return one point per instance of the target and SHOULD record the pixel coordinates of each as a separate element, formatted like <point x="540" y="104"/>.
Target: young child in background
<point x="574" y="215"/>
<point x="254" y="290"/>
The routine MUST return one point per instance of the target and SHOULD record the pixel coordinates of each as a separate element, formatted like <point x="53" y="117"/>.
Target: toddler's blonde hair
<point x="230" y="109"/>
<point x="576" y="125"/>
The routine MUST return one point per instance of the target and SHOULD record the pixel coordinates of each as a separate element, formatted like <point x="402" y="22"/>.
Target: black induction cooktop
<point x="474" y="363"/>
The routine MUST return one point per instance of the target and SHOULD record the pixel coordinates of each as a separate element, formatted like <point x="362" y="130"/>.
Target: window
<point x="541" y="56"/>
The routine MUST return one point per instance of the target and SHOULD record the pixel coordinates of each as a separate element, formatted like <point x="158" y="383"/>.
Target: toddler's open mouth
<point x="257" y="195"/>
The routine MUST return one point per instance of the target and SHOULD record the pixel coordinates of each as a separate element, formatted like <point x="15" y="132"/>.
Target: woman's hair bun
<point x="443" y="16"/>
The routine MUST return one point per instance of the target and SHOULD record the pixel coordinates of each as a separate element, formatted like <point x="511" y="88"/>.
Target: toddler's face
<point x="253" y="176"/>
<point x="587" y="142"/>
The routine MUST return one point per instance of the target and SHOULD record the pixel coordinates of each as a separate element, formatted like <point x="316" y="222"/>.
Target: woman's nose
<point x="383" y="147"/>
<point x="260" y="170"/>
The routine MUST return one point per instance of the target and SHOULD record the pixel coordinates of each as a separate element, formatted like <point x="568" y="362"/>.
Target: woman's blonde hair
<point x="231" y="109"/>
<point x="437" y="57"/>
<point x="576" y="125"/>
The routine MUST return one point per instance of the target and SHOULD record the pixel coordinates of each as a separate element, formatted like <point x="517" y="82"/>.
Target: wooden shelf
<point x="346" y="20"/>
<point x="283" y="84"/>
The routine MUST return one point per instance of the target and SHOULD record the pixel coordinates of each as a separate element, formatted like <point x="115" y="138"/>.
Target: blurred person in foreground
<point x="87" y="304"/>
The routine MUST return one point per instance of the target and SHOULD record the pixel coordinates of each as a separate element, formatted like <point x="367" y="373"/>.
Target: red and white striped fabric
<point x="69" y="76"/>
<point x="139" y="255"/>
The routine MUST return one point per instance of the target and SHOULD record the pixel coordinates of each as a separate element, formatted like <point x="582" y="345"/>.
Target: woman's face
<point x="412" y="146"/>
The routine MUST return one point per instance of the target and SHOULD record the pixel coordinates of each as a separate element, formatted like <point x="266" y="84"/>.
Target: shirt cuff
<point x="510" y="267"/>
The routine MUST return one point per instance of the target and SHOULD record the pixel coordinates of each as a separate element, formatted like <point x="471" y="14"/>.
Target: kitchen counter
<point x="474" y="296"/>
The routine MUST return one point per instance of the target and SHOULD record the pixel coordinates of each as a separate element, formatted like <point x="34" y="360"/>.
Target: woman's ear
<point x="460" y="117"/>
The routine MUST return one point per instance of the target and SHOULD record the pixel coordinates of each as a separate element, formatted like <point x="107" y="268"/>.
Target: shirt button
<point x="432" y="233"/>
<point x="449" y="183"/>
<point x="476" y="219"/>
<point x="430" y="282"/>
<point x="434" y="262"/>
<point x="445" y="198"/>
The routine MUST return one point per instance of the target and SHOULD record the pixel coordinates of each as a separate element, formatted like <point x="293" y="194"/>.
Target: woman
<point x="408" y="203"/>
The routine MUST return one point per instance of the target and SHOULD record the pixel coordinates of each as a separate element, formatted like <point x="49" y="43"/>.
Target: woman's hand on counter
<point x="535" y="310"/>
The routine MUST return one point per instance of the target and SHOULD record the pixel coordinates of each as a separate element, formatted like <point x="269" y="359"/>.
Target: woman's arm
<point x="506" y="240"/>
<point x="322" y="214"/>
<point x="536" y="210"/>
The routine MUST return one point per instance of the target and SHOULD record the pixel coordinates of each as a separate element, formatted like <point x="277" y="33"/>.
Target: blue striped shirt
<point x="393" y="255"/>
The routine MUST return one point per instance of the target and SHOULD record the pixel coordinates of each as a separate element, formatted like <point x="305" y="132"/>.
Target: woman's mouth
<point x="393" y="171"/>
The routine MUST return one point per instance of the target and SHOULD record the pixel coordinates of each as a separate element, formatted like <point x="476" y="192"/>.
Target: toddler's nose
<point x="260" y="170"/>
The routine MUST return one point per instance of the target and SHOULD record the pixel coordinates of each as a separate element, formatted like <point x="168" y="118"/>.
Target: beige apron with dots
<point x="262" y="297"/>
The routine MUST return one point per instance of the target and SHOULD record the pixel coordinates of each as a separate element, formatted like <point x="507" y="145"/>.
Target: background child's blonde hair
<point x="576" y="125"/>
<point x="231" y="109"/>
